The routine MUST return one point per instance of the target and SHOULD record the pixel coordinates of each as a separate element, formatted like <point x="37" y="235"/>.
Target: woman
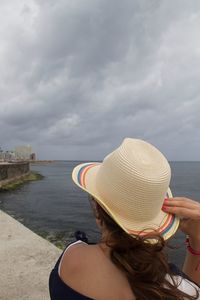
<point x="136" y="214"/>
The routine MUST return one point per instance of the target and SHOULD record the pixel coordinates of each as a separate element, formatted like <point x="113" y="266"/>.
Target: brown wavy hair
<point x="145" y="265"/>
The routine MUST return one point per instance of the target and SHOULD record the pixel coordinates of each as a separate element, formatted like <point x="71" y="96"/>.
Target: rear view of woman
<point x="136" y="214"/>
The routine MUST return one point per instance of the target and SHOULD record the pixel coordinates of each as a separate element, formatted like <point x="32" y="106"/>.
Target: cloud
<point x="77" y="77"/>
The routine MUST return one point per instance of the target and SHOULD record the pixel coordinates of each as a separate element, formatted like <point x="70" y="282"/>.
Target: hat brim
<point x="166" y="224"/>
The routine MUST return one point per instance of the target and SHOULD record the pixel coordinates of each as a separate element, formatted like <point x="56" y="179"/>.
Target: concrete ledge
<point x="26" y="260"/>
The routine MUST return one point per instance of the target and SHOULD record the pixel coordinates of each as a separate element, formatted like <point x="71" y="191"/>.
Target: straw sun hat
<point x="130" y="185"/>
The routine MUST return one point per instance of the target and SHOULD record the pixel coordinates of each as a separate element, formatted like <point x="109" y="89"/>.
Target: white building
<point x="23" y="152"/>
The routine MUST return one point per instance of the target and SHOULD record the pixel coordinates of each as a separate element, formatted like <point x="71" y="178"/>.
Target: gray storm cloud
<point x="79" y="76"/>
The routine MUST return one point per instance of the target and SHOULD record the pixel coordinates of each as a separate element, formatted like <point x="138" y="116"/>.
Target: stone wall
<point x="13" y="171"/>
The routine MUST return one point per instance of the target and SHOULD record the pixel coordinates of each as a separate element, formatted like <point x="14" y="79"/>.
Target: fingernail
<point x="164" y="208"/>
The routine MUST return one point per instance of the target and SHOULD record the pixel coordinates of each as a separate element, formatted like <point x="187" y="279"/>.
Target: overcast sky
<point x="77" y="77"/>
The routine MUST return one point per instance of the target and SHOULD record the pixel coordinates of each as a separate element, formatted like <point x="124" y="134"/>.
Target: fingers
<point x="181" y="202"/>
<point x="183" y="212"/>
<point x="183" y="207"/>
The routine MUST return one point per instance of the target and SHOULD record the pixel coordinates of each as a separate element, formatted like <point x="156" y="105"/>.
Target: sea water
<point x="55" y="207"/>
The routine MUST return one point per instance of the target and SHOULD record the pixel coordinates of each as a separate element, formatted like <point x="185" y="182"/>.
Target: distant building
<point x="20" y="153"/>
<point x="23" y="152"/>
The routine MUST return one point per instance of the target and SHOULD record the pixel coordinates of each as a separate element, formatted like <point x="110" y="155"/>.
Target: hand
<point x="189" y="212"/>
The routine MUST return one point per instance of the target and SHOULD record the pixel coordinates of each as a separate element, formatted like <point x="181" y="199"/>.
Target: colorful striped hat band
<point x="130" y="185"/>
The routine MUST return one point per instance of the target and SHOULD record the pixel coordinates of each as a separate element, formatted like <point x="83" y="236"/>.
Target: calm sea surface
<point x="54" y="207"/>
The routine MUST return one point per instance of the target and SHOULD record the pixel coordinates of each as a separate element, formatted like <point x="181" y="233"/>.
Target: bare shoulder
<point x="76" y="261"/>
<point x="73" y="256"/>
<point x="77" y="268"/>
<point x="87" y="270"/>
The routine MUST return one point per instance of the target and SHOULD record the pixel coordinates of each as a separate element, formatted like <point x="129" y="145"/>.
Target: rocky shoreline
<point x="16" y="182"/>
